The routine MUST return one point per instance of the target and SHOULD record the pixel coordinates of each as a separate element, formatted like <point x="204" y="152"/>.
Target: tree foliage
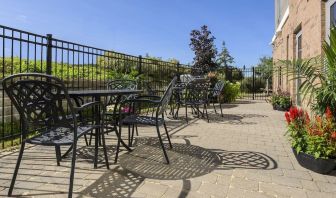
<point x="265" y="67"/>
<point x="224" y="58"/>
<point x="202" y="43"/>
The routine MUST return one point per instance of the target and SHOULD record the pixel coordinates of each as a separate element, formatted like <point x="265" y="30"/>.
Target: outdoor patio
<point x="243" y="154"/>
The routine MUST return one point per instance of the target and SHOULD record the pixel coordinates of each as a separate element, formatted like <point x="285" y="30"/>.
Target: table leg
<point x="97" y="132"/>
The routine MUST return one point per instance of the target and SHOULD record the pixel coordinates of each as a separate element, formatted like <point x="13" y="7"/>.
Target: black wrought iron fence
<point x="255" y="83"/>
<point x="80" y="66"/>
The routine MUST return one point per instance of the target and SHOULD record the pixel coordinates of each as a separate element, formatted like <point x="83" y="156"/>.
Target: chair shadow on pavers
<point x="115" y="183"/>
<point x="86" y="153"/>
<point x="188" y="161"/>
<point x="244" y="160"/>
<point x="234" y="119"/>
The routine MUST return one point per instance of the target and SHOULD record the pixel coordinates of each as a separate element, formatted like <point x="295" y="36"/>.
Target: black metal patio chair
<point x="48" y="116"/>
<point x="195" y="94"/>
<point x="215" y="95"/>
<point x="135" y="116"/>
<point x="112" y="115"/>
<point x="179" y="90"/>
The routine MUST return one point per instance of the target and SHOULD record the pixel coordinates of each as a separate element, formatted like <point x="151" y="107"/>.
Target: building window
<point x="333" y="15"/>
<point x="330" y="15"/>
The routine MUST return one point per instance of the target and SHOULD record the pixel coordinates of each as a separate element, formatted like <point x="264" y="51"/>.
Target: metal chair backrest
<point x="42" y="102"/>
<point x="118" y="85"/>
<point x="217" y="90"/>
<point x="166" y="97"/>
<point x="197" y="91"/>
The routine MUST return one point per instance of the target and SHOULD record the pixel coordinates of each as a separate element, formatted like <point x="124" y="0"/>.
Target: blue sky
<point x="157" y="27"/>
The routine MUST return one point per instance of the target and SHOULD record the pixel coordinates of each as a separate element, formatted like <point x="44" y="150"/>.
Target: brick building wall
<point x="306" y="17"/>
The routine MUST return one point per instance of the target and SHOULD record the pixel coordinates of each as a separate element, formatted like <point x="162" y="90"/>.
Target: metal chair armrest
<point x="88" y="105"/>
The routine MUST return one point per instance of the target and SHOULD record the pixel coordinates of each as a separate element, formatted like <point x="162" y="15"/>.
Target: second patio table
<point x="97" y="95"/>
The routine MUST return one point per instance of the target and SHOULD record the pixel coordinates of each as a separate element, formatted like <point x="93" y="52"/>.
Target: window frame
<point x="297" y="54"/>
<point x="328" y="15"/>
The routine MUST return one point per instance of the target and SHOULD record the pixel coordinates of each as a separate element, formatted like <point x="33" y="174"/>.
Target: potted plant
<point x="281" y="101"/>
<point x="313" y="140"/>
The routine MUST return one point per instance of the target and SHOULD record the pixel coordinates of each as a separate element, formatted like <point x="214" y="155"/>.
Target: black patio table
<point x="97" y="94"/>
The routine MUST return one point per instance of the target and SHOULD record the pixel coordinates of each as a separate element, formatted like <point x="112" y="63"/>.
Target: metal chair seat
<point x="59" y="136"/>
<point x="147" y="120"/>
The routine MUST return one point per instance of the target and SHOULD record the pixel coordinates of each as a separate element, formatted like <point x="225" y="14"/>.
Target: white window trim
<point x="282" y="23"/>
<point x="328" y="6"/>
<point x="298" y="82"/>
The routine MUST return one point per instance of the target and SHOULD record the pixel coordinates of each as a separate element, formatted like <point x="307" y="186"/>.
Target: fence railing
<point x="255" y="83"/>
<point x="79" y="66"/>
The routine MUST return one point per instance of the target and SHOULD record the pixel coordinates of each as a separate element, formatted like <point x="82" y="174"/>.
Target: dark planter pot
<point x="319" y="165"/>
<point x="280" y="108"/>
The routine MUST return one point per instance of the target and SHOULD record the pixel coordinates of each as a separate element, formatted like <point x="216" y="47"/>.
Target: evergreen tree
<point x="224" y="58"/>
<point x="202" y="43"/>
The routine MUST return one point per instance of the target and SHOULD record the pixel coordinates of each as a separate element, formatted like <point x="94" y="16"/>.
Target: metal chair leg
<point x="165" y="127"/>
<point x="105" y="151"/>
<point x="129" y="135"/>
<point x="132" y="135"/>
<point x="72" y="172"/>
<point x="186" y="112"/>
<point x="177" y="111"/>
<point x="136" y="130"/>
<point x="58" y="154"/>
<point x="213" y="104"/>
<point x="91" y="134"/>
<point x="220" y="105"/>
<point x="96" y="148"/>
<point x="86" y="141"/>
<point x="162" y="145"/>
<point x="206" y="112"/>
<point x="118" y="144"/>
<point x="10" y="191"/>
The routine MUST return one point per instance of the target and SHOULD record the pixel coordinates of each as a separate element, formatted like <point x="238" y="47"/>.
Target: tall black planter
<point x="319" y="165"/>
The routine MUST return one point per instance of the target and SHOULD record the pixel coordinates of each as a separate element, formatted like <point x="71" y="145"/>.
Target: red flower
<point x="328" y="113"/>
<point x="293" y="112"/>
<point x="287" y="117"/>
<point x="333" y="135"/>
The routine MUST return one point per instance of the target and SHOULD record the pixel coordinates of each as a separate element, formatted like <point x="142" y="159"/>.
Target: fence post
<point x="178" y="71"/>
<point x="140" y="84"/>
<point x="49" y="54"/>
<point x="253" y="83"/>
<point x="140" y="65"/>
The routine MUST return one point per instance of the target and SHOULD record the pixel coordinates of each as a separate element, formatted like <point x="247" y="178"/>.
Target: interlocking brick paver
<point x="326" y="187"/>
<point x="309" y="185"/>
<point x="281" y="190"/>
<point x="156" y="190"/>
<point x="287" y="181"/>
<point x="315" y="194"/>
<point x="253" y="159"/>
<point x="244" y="184"/>
<point x="213" y="189"/>
<point x="238" y="192"/>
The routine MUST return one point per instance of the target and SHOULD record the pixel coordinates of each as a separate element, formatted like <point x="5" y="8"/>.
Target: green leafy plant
<point x="231" y="92"/>
<point x="316" y="137"/>
<point x="281" y="100"/>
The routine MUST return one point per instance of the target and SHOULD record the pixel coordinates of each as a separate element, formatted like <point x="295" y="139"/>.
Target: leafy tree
<point x="202" y="43"/>
<point x="224" y="58"/>
<point x="264" y="67"/>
